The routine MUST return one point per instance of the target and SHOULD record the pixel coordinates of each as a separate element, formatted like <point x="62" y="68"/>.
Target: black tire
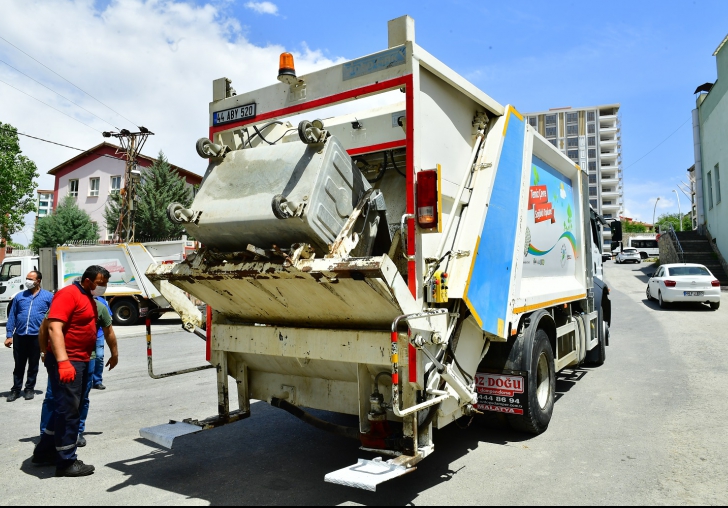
<point x="715" y="305"/>
<point x="598" y="355"/>
<point x="125" y="312"/>
<point x="647" y="294"/>
<point x="541" y="374"/>
<point x="663" y="303"/>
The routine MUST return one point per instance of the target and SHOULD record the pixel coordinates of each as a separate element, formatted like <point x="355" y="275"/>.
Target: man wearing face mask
<point x="27" y="311"/>
<point x="72" y="322"/>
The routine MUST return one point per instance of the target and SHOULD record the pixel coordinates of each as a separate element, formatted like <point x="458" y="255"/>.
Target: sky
<point x="152" y="62"/>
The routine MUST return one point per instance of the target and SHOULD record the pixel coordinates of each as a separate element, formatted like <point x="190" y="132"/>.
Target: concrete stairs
<point x="697" y="249"/>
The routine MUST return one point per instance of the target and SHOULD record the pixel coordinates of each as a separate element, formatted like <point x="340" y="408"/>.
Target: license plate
<point x="234" y="114"/>
<point x="692" y="293"/>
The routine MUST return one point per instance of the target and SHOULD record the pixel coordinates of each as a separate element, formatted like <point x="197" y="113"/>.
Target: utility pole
<point x="131" y="144"/>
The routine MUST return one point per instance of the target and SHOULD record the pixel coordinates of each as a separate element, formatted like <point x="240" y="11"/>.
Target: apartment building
<point x="591" y="138"/>
<point x="92" y="176"/>
<point x="44" y="203"/>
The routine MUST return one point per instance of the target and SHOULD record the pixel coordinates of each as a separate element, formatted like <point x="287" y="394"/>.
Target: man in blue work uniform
<point x="26" y="313"/>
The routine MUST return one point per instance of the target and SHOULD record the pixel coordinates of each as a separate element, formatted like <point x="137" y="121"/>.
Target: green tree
<point x="68" y="223"/>
<point x="633" y="227"/>
<point x="17" y="173"/>
<point x="674" y="219"/>
<point x="160" y="185"/>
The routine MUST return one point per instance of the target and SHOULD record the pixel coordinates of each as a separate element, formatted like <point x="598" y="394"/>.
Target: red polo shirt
<point x="77" y="309"/>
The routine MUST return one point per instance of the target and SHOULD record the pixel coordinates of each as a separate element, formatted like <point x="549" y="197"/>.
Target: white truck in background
<point x="130" y="294"/>
<point x="427" y="259"/>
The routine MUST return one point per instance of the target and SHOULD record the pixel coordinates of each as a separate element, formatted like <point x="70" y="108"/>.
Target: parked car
<point x="684" y="282"/>
<point x="628" y="255"/>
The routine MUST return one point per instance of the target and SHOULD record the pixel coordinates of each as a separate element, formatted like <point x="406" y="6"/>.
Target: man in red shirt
<point x="72" y="336"/>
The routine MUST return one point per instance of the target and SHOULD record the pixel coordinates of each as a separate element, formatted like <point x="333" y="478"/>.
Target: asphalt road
<point x="648" y="427"/>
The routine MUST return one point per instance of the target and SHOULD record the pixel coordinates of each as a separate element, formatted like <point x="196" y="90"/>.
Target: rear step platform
<point x="367" y="474"/>
<point x="165" y="434"/>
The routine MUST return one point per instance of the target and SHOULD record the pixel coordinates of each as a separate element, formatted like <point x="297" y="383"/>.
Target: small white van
<point x="646" y="245"/>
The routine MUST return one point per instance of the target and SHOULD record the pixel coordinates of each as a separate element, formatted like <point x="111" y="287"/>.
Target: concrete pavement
<point x="648" y="427"/>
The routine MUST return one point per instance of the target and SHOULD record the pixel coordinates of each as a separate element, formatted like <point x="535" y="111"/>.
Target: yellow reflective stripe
<point x="520" y="310"/>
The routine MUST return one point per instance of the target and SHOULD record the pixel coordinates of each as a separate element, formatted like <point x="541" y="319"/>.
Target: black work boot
<point x="13" y="396"/>
<point x="76" y="469"/>
<point x="44" y="459"/>
<point x="28" y="394"/>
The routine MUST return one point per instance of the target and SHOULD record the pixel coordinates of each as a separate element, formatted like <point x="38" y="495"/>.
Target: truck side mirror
<point x="616" y="227"/>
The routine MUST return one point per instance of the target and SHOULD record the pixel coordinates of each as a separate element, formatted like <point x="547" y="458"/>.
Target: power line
<point x="69" y="100"/>
<point x="61" y="112"/>
<point x="660" y="143"/>
<point x="66" y="80"/>
<point x="54" y="143"/>
<point x="41" y="139"/>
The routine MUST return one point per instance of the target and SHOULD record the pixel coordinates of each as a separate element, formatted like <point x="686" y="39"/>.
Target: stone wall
<point x="668" y="251"/>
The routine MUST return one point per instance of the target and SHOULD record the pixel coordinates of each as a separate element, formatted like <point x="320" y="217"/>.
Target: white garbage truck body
<point x="130" y="294"/>
<point x="411" y="263"/>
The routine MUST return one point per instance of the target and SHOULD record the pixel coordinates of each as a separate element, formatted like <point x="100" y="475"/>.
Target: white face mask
<point x="99" y="291"/>
<point x="30" y="284"/>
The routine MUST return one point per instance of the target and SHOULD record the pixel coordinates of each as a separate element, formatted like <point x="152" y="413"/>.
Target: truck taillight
<point x="670" y="283"/>
<point x="715" y="283"/>
<point x="427" y="199"/>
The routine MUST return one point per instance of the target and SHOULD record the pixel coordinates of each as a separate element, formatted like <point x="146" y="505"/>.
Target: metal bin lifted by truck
<point x="412" y="263"/>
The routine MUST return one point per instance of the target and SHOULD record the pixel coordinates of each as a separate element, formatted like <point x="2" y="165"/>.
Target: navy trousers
<point x="62" y="429"/>
<point x="25" y="351"/>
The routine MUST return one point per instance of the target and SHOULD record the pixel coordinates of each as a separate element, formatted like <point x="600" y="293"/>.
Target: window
<point x="533" y="121"/>
<point x="93" y="187"/>
<point x="550" y="120"/>
<point x="592" y="153"/>
<point x="43" y="204"/>
<point x="593" y="203"/>
<point x="592" y="141"/>
<point x="115" y="184"/>
<point x="592" y="166"/>
<point x="550" y="132"/>
<point x="10" y="271"/>
<point x="607" y="189"/>
<point x="590" y="117"/>
<point x="607" y="215"/>
<point x="592" y="178"/>
<point x="553" y="142"/>
<point x="572" y="142"/>
<point x="572" y="154"/>
<point x="592" y="191"/>
<point x="607" y="242"/>
<point x="717" y="184"/>
<point x="42" y="212"/>
<point x="572" y="130"/>
<point x="607" y="202"/>
<point x="710" y="190"/>
<point x="591" y="128"/>
<point x="73" y="188"/>
<point x="572" y="117"/>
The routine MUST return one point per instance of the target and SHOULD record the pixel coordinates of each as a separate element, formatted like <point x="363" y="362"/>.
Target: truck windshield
<point x="9" y="270"/>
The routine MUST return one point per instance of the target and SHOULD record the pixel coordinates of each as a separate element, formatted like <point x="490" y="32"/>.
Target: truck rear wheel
<point x="541" y="388"/>
<point x="125" y="312"/>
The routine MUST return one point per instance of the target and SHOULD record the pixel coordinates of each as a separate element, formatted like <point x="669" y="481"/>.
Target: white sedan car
<point x="684" y="282"/>
<point x="629" y="255"/>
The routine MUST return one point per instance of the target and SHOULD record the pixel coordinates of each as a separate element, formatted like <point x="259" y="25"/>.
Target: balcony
<point x="611" y="193"/>
<point x="612" y="207"/>
<point x="609" y="181"/>
<point x="609" y="155"/>
<point x="608" y="143"/>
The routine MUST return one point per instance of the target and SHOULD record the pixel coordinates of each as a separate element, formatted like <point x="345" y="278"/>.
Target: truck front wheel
<point x="125" y="312"/>
<point x="541" y="388"/>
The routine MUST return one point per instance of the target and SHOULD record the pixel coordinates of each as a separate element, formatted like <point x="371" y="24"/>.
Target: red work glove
<point x="66" y="371"/>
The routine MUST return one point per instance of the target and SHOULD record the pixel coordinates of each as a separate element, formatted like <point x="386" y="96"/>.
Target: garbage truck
<point x="420" y="255"/>
<point x="130" y="294"/>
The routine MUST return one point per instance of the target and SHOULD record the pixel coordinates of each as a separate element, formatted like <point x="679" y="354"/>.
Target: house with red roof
<point x="92" y="176"/>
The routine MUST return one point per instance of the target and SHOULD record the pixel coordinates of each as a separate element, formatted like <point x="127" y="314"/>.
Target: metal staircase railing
<point x="673" y="235"/>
